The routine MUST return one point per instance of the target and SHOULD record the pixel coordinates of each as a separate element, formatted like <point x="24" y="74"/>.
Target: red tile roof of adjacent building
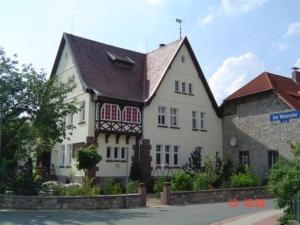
<point x="285" y="88"/>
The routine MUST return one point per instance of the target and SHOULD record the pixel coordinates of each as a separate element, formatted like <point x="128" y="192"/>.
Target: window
<point x="97" y="112"/>
<point x="110" y="112"/>
<point x="82" y="112"/>
<point x="167" y="155"/>
<point x="116" y="153"/>
<point x="124" y="151"/>
<point x="174" y="120"/>
<point x="158" y="154"/>
<point x="61" y="155"/>
<point x="175" y="155"/>
<point x="272" y="158"/>
<point x="202" y="121"/>
<point x="183" y="58"/>
<point x="194" y="120"/>
<point x="183" y="87"/>
<point x="131" y="114"/>
<point x="68" y="156"/>
<point x="190" y="88"/>
<point x="244" y="158"/>
<point x="69" y="119"/>
<point x="108" y="153"/>
<point x="176" y="86"/>
<point x="161" y="115"/>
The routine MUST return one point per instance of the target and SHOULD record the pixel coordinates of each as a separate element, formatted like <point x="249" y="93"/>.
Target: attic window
<point x="183" y="58"/>
<point x="121" y="61"/>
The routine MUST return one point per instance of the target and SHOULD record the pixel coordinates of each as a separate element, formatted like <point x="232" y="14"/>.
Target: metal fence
<point x="296" y="208"/>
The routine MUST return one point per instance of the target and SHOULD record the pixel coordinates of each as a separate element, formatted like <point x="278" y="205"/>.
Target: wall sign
<point x="284" y="117"/>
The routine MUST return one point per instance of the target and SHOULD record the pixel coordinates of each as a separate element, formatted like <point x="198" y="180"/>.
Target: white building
<point x="157" y="106"/>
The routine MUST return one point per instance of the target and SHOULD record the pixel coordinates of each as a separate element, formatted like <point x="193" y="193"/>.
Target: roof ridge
<point x="165" y="46"/>
<point x="269" y="80"/>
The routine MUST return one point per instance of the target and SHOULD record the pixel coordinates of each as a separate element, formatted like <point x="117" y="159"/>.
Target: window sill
<point x="203" y="130"/>
<point x="114" y="161"/>
<point x="175" y="128"/>
<point x="81" y="122"/>
<point x="167" y="167"/>
<point x="61" y="167"/>
<point x="68" y="167"/>
<point x="191" y="94"/>
<point x="163" y="126"/>
<point x="195" y="129"/>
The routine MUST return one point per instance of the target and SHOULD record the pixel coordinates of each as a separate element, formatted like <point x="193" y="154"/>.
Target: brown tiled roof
<point x="98" y="72"/>
<point x="286" y="89"/>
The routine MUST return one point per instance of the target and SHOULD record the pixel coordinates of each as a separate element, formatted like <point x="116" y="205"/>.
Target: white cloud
<point x="293" y="30"/>
<point x="207" y="19"/>
<point x="282" y="46"/>
<point x="240" y="6"/>
<point x="234" y="73"/>
<point x="154" y="1"/>
<point x="231" y="7"/>
<point x="297" y="63"/>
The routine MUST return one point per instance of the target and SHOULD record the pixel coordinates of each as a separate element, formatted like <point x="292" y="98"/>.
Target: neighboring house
<point x="157" y="107"/>
<point x="249" y="137"/>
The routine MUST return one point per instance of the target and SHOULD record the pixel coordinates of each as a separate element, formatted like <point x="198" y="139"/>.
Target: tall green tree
<point x="32" y="108"/>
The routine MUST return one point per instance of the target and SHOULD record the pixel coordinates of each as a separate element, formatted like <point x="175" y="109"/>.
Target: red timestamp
<point x="247" y="203"/>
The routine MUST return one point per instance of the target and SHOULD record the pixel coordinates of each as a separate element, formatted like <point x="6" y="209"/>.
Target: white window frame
<point x="162" y="113"/>
<point x="167" y="152"/>
<point x="125" y="153"/>
<point x="110" y="153"/>
<point x="158" y="151"/>
<point x="195" y="123"/>
<point x="124" y="115"/>
<point x="176" y="152"/>
<point x="68" y="156"/>
<point x="82" y="113"/>
<point x="174" y="117"/>
<point x="70" y="119"/>
<point x="203" y="125"/>
<point x="177" y="83"/>
<point x="97" y="111"/>
<point x="118" y="153"/>
<point x="110" y="113"/>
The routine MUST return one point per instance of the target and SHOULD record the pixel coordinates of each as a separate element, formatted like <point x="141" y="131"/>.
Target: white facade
<point x="206" y="132"/>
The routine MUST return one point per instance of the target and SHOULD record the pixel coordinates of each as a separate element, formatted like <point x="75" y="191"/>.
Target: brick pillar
<point x="143" y="192"/>
<point x="165" y="196"/>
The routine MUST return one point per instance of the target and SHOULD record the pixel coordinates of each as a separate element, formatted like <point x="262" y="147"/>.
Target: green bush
<point x="133" y="186"/>
<point x="88" y="157"/>
<point x="244" y="179"/>
<point x="158" y="185"/>
<point x="201" y="182"/>
<point x="52" y="187"/>
<point x="181" y="181"/>
<point x="109" y="187"/>
<point x="117" y="189"/>
<point x="3" y="184"/>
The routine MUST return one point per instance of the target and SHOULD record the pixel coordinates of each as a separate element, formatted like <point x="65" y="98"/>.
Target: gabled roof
<point x="285" y="88"/>
<point x="100" y="68"/>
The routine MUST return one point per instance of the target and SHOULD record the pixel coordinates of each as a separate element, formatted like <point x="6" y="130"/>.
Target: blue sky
<point x="234" y="40"/>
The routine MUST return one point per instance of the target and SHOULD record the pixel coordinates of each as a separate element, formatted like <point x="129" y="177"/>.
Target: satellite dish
<point x="233" y="141"/>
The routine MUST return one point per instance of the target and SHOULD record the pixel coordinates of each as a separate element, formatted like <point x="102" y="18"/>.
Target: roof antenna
<point x="180" y="21"/>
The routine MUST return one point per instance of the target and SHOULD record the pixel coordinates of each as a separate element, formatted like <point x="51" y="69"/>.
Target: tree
<point x="193" y="166"/>
<point x="32" y="108"/>
<point x="284" y="183"/>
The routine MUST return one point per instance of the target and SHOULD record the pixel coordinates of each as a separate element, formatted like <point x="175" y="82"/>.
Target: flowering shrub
<point x="52" y="187"/>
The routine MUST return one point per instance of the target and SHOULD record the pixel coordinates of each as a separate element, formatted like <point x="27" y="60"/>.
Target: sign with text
<point x="284" y="117"/>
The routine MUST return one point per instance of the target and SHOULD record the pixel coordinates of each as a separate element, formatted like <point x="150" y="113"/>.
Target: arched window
<point x="110" y="112"/>
<point x="131" y="114"/>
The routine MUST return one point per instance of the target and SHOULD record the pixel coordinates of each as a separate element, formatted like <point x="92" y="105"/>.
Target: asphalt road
<point x="175" y="215"/>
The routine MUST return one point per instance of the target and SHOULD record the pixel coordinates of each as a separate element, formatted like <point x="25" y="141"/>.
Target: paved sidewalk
<point x="268" y="217"/>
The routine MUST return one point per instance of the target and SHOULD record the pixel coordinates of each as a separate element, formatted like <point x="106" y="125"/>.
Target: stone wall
<point x="73" y="202"/>
<point x="211" y="196"/>
<point x="247" y="119"/>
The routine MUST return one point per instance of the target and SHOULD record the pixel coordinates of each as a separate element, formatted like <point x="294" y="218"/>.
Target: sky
<point x="234" y="40"/>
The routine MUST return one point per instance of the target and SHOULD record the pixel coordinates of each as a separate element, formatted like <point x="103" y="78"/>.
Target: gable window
<point x="202" y="121"/>
<point x="272" y="158"/>
<point x="183" y="87"/>
<point x="195" y="120"/>
<point x="175" y="155"/>
<point x="124" y="151"/>
<point x="176" y="86"/>
<point x="131" y="114"/>
<point x="82" y="112"/>
<point x="61" y="155"/>
<point x="174" y="120"/>
<point x="108" y="153"/>
<point x="110" y="112"/>
<point x="190" y="88"/>
<point x="183" y="58"/>
<point x="167" y="155"/>
<point x="158" y="154"/>
<point x="69" y="154"/>
<point x="161" y="115"/>
<point x="244" y="158"/>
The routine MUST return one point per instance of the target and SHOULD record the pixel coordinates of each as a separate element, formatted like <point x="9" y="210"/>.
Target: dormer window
<point x="126" y="61"/>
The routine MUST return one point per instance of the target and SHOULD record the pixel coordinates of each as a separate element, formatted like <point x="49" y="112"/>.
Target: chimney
<point x="296" y="75"/>
<point x="162" y="45"/>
